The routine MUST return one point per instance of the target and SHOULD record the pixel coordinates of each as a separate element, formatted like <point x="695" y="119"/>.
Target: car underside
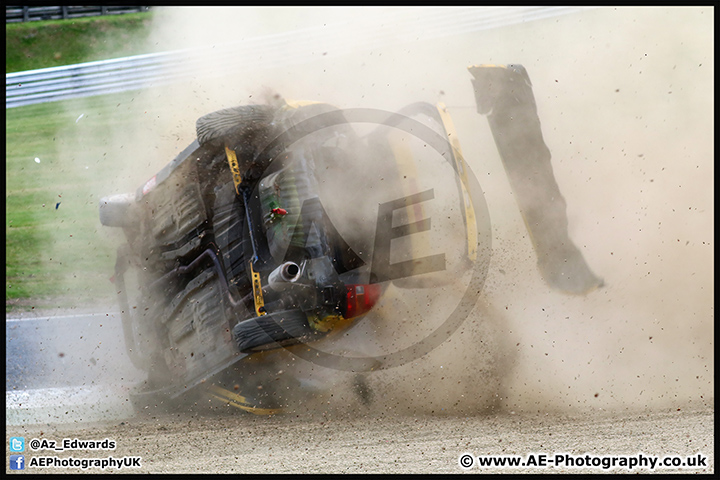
<point x="231" y="254"/>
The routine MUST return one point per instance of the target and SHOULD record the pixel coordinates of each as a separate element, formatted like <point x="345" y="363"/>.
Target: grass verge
<point x="51" y="43"/>
<point x="57" y="253"/>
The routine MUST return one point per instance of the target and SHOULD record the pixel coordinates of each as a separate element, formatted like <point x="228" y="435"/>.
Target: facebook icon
<point x="17" y="462"/>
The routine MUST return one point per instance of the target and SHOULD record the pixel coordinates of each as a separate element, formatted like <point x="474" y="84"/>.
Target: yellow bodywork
<point x="470" y="222"/>
<point x="257" y="292"/>
<point x="238" y="401"/>
<point x="234" y="168"/>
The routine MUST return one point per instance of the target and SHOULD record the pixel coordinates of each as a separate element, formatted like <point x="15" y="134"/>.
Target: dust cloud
<point x="625" y="99"/>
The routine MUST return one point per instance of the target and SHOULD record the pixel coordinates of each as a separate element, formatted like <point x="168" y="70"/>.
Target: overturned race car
<point x="231" y="255"/>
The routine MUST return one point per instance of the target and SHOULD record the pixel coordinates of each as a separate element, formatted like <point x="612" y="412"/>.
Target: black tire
<point x="232" y="124"/>
<point x="272" y="331"/>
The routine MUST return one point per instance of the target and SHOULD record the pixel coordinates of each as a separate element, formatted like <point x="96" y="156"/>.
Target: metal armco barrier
<point x="93" y="78"/>
<point x="296" y="47"/>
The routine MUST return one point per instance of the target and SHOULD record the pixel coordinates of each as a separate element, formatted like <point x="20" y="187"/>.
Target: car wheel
<point x="230" y="124"/>
<point x="272" y="331"/>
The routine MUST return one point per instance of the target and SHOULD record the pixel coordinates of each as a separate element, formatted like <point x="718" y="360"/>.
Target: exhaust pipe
<point x="284" y="275"/>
